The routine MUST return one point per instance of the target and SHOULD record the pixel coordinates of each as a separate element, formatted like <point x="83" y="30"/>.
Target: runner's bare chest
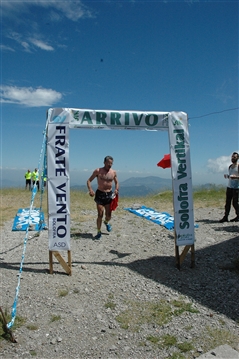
<point x="105" y="176"/>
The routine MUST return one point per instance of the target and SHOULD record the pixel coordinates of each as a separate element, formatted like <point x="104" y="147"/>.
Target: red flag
<point x="165" y="162"/>
<point x="114" y="203"/>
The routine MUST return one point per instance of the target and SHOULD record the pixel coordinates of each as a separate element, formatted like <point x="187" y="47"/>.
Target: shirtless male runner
<point x="104" y="193"/>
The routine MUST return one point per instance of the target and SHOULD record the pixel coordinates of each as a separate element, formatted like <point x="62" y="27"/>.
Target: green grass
<point x="14" y="198"/>
<point x="168" y="340"/>
<point x="153" y="339"/>
<point x="158" y="313"/>
<point x="185" y="346"/>
<point x="177" y="355"/>
<point x="32" y="327"/>
<point x="162" y="312"/>
<point x="213" y="337"/>
<point x="19" y="321"/>
<point x="55" y="318"/>
<point x="214" y="197"/>
<point x="183" y="307"/>
<point x="63" y="292"/>
<point x="110" y="305"/>
<point x="33" y="353"/>
<point x="144" y="312"/>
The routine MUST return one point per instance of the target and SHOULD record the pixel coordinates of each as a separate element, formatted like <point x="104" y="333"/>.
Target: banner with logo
<point x="103" y="119"/>
<point x="58" y="182"/>
<point x="182" y="178"/>
<point x="60" y="120"/>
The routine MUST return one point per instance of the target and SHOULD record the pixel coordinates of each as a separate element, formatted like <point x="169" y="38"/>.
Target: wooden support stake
<point x="50" y="262"/>
<point x="184" y="253"/>
<point x="66" y="266"/>
<point x="13" y="340"/>
<point x="180" y="257"/>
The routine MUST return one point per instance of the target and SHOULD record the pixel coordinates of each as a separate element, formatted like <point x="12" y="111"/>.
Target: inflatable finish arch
<point x="60" y="120"/>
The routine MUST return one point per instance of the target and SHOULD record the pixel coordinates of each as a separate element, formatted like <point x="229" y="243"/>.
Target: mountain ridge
<point x="143" y="186"/>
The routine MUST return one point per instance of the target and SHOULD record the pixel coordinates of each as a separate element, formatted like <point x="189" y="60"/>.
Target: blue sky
<point x="120" y="55"/>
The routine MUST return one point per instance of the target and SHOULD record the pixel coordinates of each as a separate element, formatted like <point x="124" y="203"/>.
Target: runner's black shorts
<point x="103" y="198"/>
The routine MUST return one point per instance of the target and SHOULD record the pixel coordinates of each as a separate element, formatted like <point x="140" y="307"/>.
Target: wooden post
<point x="66" y="266"/>
<point x="50" y="262"/>
<point x="13" y="340"/>
<point x="180" y="257"/>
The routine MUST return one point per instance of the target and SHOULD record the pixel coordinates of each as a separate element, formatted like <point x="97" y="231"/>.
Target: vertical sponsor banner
<point x="58" y="182"/>
<point x="182" y="178"/>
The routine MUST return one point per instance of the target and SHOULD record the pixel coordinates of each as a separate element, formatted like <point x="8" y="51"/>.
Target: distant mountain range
<point x="138" y="186"/>
<point x="143" y="186"/>
<point x="134" y="186"/>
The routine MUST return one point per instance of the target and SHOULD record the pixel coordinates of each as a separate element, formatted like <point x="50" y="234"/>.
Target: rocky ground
<point x="125" y="298"/>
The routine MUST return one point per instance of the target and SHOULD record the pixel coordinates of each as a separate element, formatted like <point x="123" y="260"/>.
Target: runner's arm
<point x="116" y="183"/>
<point x="92" y="177"/>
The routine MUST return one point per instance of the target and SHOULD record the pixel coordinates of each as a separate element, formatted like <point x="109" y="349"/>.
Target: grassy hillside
<point x="14" y="198"/>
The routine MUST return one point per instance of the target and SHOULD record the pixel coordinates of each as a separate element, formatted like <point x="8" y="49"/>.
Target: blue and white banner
<point x="111" y="119"/>
<point x="182" y="178"/>
<point x="34" y="219"/>
<point x="58" y="182"/>
<point x="161" y="218"/>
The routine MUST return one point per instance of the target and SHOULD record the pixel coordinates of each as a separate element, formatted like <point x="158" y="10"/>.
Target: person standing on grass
<point x="232" y="189"/>
<point x="35" y="178"/>
<point x="104" y="193"/>
<point x="28" y="177"/>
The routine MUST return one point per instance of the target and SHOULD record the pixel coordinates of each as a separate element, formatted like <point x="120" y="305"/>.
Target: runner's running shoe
<point x="98" y="236"/>
<point x="108" y="226"/>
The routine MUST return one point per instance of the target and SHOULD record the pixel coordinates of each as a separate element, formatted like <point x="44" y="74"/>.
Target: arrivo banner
<point x="60" y="120"/>
<point x="85" y="118"/>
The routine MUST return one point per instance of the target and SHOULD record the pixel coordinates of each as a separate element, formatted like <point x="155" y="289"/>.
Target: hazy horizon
<point x="15" y="177"/>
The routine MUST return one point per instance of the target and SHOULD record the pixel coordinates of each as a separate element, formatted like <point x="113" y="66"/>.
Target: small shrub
<point x="185" y="346"/>
<point x="153" y="339"/>
<point x="32" y="327"/>
<point x="63" y="292"/>
<point x="213" y="337"/>
<point x="110" y="305"/>
<point x="168" y="340"/>
<point x="33" y="353"/>
<point x="19" y="321"/>
<point x="183" y="307"/>
<point x="147" y="312"/>
<point x="54" y="318"/>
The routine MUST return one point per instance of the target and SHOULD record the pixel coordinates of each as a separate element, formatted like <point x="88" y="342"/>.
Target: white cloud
<point x="26" y="43"/>
<point x="222" y="93"/>
<point x="18" y="15"/>
<point x="29" y="96"/>
<point x="42" y="45"/>
<point x="73" y="10"/>
<point x="219" y="165"/>
<point x="6" y="48"/>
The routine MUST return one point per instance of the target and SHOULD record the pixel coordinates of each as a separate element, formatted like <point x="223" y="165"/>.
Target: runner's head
<point x="108" y="162"/>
